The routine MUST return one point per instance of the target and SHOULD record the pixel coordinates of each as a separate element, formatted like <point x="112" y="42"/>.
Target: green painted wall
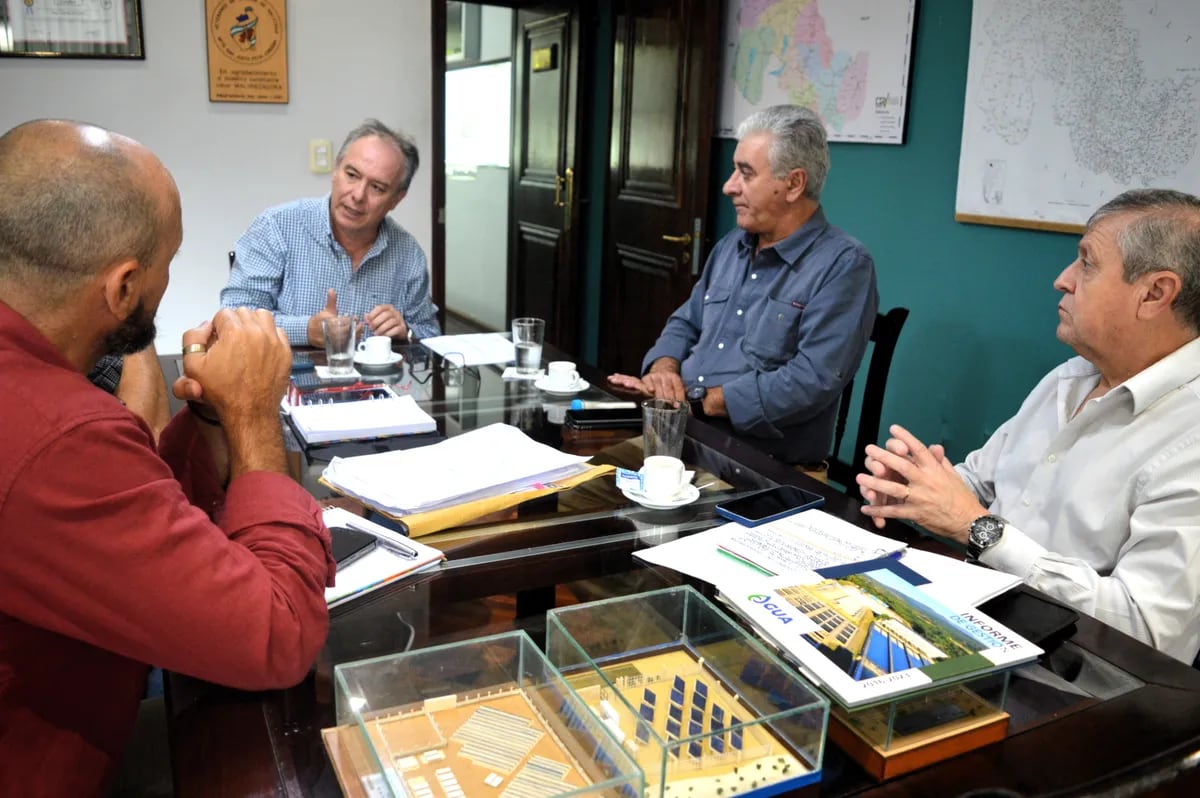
<point x="981" y="329"/>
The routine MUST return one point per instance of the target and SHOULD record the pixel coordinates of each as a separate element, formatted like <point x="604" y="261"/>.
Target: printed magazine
<point x="867" y="633"/>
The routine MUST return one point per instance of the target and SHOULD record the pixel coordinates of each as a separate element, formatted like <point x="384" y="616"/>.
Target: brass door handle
<point x="686" y="238"/>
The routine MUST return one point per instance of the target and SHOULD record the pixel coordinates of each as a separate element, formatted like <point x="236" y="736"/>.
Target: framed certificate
<point x="71" y="28"/>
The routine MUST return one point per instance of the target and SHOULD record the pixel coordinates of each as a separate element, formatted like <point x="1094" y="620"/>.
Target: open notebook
<point x="395" y="558"/>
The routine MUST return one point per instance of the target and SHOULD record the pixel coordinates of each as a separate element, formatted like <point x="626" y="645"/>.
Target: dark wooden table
<point x="1100" y="714"/>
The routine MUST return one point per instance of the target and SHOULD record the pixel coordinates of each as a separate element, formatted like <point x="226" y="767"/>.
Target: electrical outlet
<point x="320" y="156"/>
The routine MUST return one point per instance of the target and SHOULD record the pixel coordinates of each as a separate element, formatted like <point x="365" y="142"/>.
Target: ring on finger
<point x="195" y="349"/>
<point x="907" y="492"/>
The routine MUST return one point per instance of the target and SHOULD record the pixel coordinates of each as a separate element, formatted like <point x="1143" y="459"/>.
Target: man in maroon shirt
<point x="202" y="557"/>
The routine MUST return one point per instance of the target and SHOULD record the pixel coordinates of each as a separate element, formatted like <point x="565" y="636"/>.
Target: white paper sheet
<point x="476" y="349"/>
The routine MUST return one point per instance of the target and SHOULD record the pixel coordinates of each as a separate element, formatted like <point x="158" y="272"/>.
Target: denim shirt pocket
<point x="712" y="316"/>
<point x="772" y="337"/>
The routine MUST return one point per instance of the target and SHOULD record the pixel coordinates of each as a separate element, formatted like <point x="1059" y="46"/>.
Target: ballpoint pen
<point x="394" y="546"/>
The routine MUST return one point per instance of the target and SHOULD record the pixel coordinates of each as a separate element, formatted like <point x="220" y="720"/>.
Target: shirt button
<point x="754" y="276"/>
<point x="739" y="311"/>
<point x="700" y="379"/>
<point x="1051" y="459"/>
<point x="720" y="346"/>
<point x="706" y="297"/>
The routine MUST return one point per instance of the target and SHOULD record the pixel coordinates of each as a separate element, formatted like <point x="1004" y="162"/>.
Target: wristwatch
<point x="985" y="532"/>
<point x="695" y="396"/>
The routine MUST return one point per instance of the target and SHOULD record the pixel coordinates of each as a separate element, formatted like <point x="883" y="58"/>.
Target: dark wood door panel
<point x="537" y="255"/>
<point x="664" y="71"/>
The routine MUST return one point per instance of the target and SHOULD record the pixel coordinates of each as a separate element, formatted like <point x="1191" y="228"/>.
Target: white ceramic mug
<point x="376" y="349"/>
<point x="662" y="476"/>
<point x="561" y="374"/>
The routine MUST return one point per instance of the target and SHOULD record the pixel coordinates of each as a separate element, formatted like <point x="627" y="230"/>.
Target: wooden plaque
<point x="247" y="51"/>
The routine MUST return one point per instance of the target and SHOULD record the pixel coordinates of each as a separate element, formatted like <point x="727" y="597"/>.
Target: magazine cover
<point x="866" y="633"/>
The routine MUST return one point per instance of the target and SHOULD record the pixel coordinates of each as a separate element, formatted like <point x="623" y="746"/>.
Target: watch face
<point x="985" y="531"/>
<point x="696" y="393"/>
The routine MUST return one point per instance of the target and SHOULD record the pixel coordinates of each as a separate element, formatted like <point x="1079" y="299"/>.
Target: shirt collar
<point x="794" y="246"/>
<point x="1157" y="380"/>
<point x="16" y="330"/>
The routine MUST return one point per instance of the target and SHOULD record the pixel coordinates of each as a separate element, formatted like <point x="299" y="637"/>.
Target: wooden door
<point x="665" y="65"/>
<point x="543" y="241"/>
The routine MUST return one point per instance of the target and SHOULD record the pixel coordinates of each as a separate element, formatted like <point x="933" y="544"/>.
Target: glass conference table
<point x="1099" y="712"/>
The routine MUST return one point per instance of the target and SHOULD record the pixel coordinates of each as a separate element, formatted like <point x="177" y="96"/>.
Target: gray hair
<point x="404" y="143"/>
<point x="72" y="201"/>
<point x="798" y="142"/>
<point x="1163" y="234"/>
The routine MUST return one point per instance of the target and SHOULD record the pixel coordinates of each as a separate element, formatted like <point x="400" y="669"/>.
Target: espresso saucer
<point x="686" y="495"/>
<point x="543" y="385"/>
<point x="361" y="360"/>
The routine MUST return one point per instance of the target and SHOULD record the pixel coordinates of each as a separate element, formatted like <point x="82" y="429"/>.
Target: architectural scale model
<point x="495" y="743"/>
<point x="678" y="697"/>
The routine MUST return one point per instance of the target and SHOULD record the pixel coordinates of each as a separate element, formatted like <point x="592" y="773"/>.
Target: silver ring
<point x="195" y="349"/>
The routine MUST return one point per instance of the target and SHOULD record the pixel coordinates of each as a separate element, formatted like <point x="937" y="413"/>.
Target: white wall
<point x="347" y="61"/>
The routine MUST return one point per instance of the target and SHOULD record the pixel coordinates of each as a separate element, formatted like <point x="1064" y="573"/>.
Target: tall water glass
<point x="664" y="425"/>
<point x="339" y="343"/>
<point x="528" y="334"/>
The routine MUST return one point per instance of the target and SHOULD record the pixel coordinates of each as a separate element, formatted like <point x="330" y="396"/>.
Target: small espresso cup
<point x="561" y="374"/>
<point x="662" y="476"/>
<point x="376" y="349"/>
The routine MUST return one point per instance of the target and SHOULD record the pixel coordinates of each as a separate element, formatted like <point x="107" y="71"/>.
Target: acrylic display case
<point x="704" y="709"/>
<point x="487" y="717"/>
<point x="894" y="737"/>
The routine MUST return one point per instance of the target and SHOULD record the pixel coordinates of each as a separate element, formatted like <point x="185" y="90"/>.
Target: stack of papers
<point x="387" y="414"/>
<point x="393" y="559"/>
<point x="485" y="462"/>
<point x="815" y="539"/>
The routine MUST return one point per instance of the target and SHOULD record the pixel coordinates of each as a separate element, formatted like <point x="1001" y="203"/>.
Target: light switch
<point x="320" y="156"/>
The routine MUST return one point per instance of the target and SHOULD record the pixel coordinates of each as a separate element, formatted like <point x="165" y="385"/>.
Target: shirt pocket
<point x="713" y="313"/>
<point x="774" y="334"/>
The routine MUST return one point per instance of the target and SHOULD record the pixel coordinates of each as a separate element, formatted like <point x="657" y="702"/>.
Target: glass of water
<point x="339" y="343"/>
<point x="528" y="334"/>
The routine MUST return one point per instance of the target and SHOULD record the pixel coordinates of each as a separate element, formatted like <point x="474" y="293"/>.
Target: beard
<point x="133" y="335"/>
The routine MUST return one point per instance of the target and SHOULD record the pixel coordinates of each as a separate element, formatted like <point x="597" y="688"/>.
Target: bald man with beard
<point x="199" y="555"/>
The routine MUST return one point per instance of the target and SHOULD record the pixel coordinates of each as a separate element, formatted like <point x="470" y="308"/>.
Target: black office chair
<point x="884" y="336"/>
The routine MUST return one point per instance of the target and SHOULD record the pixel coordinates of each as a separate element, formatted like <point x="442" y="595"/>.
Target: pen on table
<point x="405" y="551"/>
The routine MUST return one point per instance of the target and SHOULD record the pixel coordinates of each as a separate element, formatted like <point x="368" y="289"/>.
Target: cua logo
<point x="771" y="607"/>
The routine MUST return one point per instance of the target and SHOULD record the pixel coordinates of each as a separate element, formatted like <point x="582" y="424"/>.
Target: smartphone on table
<point x="349" y="545"/>
<point x="768" y="505"/>
<point x="605" y="418"/>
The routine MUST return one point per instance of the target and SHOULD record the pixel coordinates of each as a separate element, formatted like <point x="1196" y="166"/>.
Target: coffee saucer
<point x="393" y="358"/>
<point x="686" y="495"/>
<point x="543" y="385"/>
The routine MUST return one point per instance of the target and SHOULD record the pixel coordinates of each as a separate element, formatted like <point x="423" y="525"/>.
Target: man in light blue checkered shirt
<point x="341" y="253"/>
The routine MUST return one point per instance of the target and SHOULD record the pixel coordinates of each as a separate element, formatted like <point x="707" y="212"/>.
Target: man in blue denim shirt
<point x="314" y="258"/>
<point x="778" y="322"/>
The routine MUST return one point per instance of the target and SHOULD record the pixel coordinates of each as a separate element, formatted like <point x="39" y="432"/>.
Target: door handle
<point x="686" y="238"/>
<point x="558" y="187"/>
<point x="569" y="205"/>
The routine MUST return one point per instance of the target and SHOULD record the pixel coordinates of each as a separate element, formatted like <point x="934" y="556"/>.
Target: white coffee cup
<point x="561" y="374"/>
<point x="662" y="476"/>
<point x="376" y="349"/>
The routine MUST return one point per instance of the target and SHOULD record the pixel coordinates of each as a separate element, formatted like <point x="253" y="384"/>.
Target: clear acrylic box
<point x="704" y="708"/>
<point x="489" y="716"/>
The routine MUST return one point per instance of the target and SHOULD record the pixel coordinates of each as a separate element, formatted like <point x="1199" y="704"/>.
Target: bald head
<point x="75" y="199"/>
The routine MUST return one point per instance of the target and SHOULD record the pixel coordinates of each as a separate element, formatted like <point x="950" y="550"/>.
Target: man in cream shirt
<point x="1091" y="492"/>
